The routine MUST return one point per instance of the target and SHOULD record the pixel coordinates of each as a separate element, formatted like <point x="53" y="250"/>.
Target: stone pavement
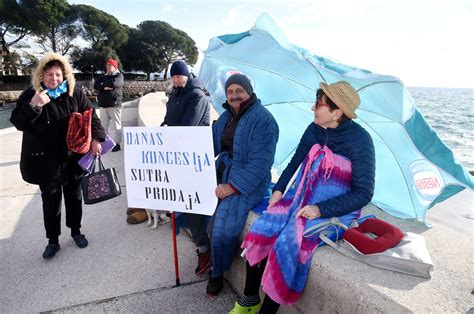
<point x="125" y="268"/>
<point x="338" y="284"/>
<point x="129" y="268"/>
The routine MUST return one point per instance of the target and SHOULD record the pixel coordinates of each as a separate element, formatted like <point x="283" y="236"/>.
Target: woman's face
<point x="52" y="77"/>
<point x="322" y="115"/>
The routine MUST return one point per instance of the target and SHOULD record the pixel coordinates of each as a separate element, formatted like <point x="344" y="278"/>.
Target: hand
<point x="224" y="190"/>
<point x="276" y="197"/>
<point x="40" y="99"/>
<point x="108" y="88"/>
<point x="96" y="148"/>
<point x="309" y="212"/>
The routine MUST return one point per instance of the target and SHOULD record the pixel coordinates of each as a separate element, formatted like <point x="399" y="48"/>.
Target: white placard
<point x="170" y="168"/>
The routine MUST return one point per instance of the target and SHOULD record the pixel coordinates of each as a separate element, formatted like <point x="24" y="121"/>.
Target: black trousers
<point x="197" y="224"/>
<point x="52" y="193"/>
<point x="253" y="279"/>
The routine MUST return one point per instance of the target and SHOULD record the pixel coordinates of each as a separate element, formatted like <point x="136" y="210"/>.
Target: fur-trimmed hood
<point x="68" y="75"/>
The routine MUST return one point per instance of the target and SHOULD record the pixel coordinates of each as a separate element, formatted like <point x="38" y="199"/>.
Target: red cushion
<point x="388" y="236"/>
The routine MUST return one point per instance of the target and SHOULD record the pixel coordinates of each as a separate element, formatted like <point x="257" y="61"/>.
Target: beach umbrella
<point x="414" y="168"/>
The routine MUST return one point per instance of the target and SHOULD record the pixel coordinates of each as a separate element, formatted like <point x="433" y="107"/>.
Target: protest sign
<point x="170" y="168"/>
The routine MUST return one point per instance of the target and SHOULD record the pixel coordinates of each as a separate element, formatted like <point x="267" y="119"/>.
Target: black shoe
<point x="214" y="285"/>
<point x="50" y="251"/>
<point x="116" y="148"/>
<point x="81" y="241"/>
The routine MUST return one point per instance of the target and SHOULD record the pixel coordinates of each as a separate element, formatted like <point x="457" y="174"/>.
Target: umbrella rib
<point x="376" y="83"/>
<point x="376" y="113"/>
<point x="288" y="101"/>
<point x="263" y="69"/>
<point x="316" y="69"/>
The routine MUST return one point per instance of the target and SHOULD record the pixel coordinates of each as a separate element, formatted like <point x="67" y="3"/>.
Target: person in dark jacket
<point x="346" y="164"/>
<point x="42" y="114"/>
<point x="110" y="87"/>
<point x="188" y="106"/>
<point x="245" y="138"/>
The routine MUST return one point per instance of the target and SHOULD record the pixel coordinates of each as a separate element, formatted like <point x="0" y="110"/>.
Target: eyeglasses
<point x="327" y="101"/>
<point x="319" y="101"/>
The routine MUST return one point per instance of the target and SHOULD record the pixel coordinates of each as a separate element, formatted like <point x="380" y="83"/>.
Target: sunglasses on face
<point x="319" y="100"/>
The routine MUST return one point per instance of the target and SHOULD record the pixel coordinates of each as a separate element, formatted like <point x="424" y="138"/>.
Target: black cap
<point x="241" y="80"/>
<point x="179" y="68"/>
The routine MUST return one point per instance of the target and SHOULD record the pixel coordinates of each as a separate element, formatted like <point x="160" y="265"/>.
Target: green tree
<point x="89" y="60"/>
<point x="12" y="64"/>
<point x="139" y="55"/>
<point x="168" y="42"/>
<point x="28" y="63"/>
<point x="100" y="28"/>
<point x="16" y="23"/>
<point x="57" y="27"/>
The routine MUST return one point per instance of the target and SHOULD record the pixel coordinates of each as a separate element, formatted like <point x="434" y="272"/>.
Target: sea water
<point x="449" y="111"/>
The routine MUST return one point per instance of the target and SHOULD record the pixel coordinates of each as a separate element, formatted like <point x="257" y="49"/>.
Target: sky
<point x="426" y="43"/>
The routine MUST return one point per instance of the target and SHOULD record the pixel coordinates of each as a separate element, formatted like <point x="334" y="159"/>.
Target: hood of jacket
<point x="193" y="83"/>
<point x="68" y="75"/>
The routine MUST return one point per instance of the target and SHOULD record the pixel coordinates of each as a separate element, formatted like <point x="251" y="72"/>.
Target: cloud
<point x="167" y="8"/>
<point x="231" y="16"/>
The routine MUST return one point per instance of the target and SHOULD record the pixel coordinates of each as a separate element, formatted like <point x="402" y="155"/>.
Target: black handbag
<point x="100" y="185"/>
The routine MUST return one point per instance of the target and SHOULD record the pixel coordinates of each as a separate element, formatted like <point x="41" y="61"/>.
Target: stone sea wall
<point x="9" y="96"/>
<point x="131" y="89"/>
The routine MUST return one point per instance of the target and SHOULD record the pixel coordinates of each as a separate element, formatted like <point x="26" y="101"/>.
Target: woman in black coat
<point x="42" y="114"/>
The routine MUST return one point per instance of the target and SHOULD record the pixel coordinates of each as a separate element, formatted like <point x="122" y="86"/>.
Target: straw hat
<point x="344" y="96"/>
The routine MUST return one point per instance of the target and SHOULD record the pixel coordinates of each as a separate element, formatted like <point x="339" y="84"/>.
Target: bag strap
<point x="333" y="222"/>
<point x="93" y="165"/>
<point x="328" y="241"/>
<point x="101" y="164"/>
<point x="349" y="251"/>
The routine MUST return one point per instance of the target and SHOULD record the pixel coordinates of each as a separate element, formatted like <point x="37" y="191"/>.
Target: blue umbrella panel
<point x="414" y="168"/>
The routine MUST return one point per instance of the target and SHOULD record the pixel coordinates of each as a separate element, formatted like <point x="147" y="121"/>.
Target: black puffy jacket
<point x="109" y="98"/>
<point x="188" y="105"/>
<point x="44" y="152"/>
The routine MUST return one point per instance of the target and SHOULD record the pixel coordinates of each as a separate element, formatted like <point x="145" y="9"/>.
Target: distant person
<point x="110" y="86"/>
<point x="42" y="114"/>
<point x="245" y="138"/>
<point x="188" y="106"/>
<point x="336" y="178"/>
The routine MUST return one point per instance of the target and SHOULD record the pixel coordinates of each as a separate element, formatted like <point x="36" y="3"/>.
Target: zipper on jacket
<point x="47" y="115"/>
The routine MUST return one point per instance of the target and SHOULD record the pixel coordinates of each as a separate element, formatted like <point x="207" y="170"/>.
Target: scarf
<point x="278" y="234"/>
<point x="58" y="91"/>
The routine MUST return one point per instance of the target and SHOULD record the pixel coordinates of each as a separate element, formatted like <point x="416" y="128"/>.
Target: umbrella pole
<point x="175" y="250"/>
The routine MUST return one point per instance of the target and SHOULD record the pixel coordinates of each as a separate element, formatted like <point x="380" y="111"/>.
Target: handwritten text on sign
<point x="170" y="168"/>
